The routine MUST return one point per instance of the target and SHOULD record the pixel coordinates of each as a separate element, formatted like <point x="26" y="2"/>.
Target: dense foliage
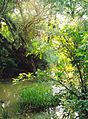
<point x="48" y="38"/>
<point x="16" y="38"/>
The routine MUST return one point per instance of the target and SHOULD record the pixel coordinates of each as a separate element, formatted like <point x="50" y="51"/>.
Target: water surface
<point x="9" y="97"/>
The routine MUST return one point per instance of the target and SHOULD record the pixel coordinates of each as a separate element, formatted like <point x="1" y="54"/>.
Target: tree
<point x="72" y="41"/>
<point x="62" y="43"/>
<point x="17" y="30"/>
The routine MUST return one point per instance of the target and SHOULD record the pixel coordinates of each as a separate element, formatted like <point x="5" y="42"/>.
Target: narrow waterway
<point x="9" y="97"/>
<point x="9" y="100"/>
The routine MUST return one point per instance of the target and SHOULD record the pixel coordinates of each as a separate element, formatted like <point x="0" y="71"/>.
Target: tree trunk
<point x="24" y="63"/>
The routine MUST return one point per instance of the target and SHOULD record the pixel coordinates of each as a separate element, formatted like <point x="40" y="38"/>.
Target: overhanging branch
<point x="65" y="87"/>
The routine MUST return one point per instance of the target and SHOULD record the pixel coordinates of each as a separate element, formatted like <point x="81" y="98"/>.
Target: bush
<point x="37" y="97"/>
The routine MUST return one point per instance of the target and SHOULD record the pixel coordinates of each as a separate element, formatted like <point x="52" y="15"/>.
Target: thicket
<point x="50" y="35"/>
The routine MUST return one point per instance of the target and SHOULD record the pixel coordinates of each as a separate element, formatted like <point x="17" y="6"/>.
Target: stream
<point x="9" y="98"/>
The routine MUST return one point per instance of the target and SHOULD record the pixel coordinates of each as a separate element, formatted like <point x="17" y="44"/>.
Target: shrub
<point x="37" y="97"/>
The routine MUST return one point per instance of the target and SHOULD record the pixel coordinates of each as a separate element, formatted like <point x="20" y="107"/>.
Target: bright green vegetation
<point x="37" y="97"/>
<point x="46" y="41"/>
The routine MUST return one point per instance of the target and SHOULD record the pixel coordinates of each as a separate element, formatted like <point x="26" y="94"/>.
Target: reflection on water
<point x="8" y="95"/>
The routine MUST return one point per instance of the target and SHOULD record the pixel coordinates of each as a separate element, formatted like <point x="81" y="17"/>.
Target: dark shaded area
<point x="14" y="60"/>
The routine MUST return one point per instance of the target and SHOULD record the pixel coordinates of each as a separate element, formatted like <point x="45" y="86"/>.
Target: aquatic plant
<point x="37" y="97"/>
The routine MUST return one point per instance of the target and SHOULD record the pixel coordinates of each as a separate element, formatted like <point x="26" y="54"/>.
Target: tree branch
<point x="65" y="87"/>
